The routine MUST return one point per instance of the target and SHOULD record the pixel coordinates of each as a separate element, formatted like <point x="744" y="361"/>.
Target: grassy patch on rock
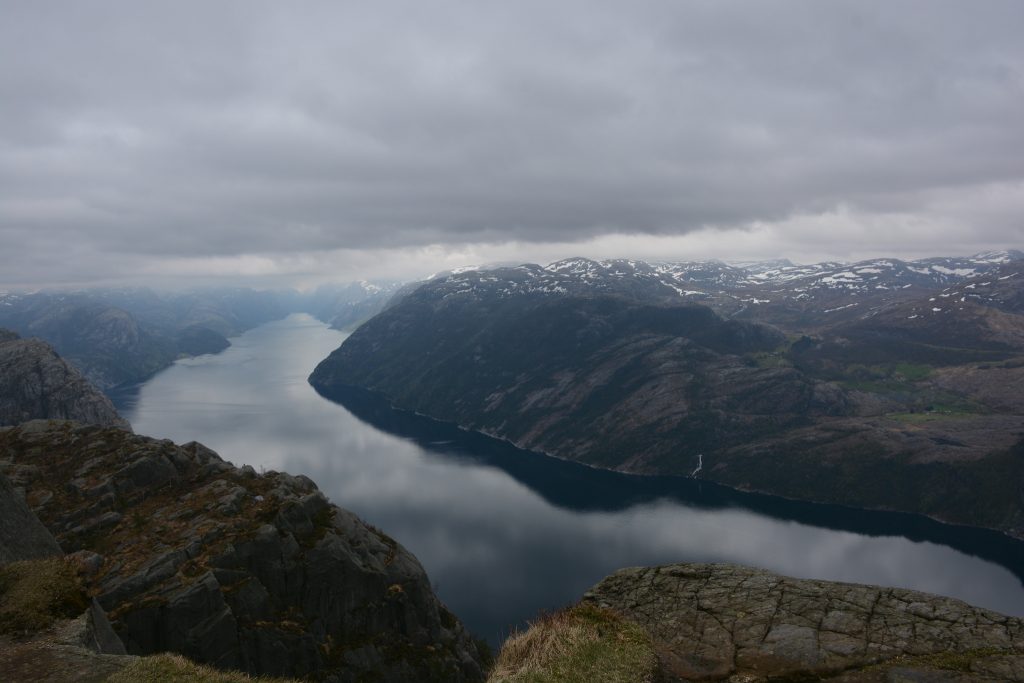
<point x="768" y="359"/>
<point x="35" y="593"/>
<point x="169" y="668"/>
<point x="879" y="378"/>
<point x="961" y="662"/>
<point x="583" y="643"/>
<point x="930" y="416"/>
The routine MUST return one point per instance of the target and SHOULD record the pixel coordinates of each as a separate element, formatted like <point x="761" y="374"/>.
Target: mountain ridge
<point x="123" y="336"/>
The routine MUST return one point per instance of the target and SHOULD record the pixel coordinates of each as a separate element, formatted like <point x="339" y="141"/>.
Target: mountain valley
<point x="119" y="337"/>
<point x="188" y="553"/>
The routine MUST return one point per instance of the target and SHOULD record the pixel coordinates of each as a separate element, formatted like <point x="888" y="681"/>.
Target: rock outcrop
<point x="22" y="535"/>
<point x="84" y="648"/>
<point x="78" y="650"/>
<point x="257" y="572"/>
<point x="36" y="383"/>
<point x="713" y="622"/>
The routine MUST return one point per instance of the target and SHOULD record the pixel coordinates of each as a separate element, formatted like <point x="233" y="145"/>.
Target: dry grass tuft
<point x="171" y="668"/>
<point x="584" y="643"/>
<point x="35" y="593"/>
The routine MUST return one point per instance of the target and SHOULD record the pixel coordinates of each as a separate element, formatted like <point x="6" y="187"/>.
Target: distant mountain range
<point x="800" y="297"/>
<point x="345" y="306"/>
<point x="123" y="336"/>
<point x="883" y="383"/>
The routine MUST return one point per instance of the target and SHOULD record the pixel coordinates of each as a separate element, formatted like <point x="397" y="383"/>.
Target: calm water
<point x="503" y="533"/>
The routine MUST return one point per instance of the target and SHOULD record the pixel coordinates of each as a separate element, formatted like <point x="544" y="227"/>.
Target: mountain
<point x="547" y="372"/>
<point x="196" y="340"/>
<point x="227" y="311"/>
<point x="346" y="306"/>
<point x="607" y="364"/>
<point x="809" y="298"/>
<point x="124" y="336"/>
<point x="813" y="298"/>
<point x="796" y="298"/>
<point x="107" y="344"/>
<point x="240" y="570"/>
<point x="978" y="320"/>
<point x="37" y="383"/>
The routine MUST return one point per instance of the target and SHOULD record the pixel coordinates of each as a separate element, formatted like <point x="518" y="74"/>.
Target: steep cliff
<point x="232" y="568"/>
<point x="36" y="383"/>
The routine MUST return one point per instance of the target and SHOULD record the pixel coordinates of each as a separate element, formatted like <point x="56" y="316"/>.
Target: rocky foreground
<point x="713" y="622"/>
<point x="22" y="536"/>
<point x="256" y="572"/>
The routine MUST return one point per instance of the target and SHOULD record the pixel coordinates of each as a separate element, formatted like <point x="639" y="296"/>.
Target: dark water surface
<point x="505" y="533"/>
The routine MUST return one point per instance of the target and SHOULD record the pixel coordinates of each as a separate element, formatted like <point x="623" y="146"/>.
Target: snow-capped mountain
<point x="796" y="296"/>
<point x="1001" y="289"/>
<point x="346" y="305"/>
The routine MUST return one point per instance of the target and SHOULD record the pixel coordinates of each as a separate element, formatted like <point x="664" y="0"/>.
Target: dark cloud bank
<point x="289" y="140"/>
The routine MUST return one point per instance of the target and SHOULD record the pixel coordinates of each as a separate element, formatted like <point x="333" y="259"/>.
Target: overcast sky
<point x="292" y="143"/>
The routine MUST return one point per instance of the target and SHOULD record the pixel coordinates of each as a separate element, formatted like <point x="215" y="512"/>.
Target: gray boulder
<point x="717" y="622"/>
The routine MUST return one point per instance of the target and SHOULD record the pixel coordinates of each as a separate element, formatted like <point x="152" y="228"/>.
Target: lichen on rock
<point x="717" y="622"/>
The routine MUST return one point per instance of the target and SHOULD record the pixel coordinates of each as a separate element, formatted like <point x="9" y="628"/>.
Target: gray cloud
<point x="189" y="130"/>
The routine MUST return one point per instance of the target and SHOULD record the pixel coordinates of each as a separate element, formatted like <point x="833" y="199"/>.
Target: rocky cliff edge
<point x="257" y="572"/>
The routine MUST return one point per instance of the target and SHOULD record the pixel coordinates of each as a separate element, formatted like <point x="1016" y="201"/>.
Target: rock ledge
<point x="715" y="622"/>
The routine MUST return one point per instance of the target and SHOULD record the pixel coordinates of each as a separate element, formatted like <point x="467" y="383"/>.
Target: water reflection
<point x="504" y="533"/>
<point x="582" y="488"/>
